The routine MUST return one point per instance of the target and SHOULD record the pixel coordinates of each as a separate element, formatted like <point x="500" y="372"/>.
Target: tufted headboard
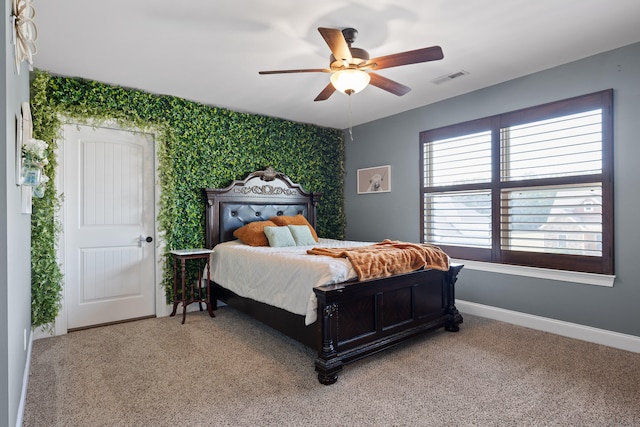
<point x="260" y="196"/>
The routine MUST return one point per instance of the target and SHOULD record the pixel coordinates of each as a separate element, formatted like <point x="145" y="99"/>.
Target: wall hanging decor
<point x="374" y="180"/>
<point x="34" y="159"/>
<point x="25" y="32"/>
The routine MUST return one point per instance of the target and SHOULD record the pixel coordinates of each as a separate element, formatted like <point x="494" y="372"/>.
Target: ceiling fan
<point x="350" y="67"/>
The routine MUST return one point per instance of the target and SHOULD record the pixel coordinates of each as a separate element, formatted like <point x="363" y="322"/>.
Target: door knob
<point x="147" y="239"/>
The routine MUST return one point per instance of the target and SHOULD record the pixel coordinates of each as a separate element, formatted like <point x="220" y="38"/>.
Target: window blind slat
<point x="567" y="146"/>
<point x="459" y="160"/>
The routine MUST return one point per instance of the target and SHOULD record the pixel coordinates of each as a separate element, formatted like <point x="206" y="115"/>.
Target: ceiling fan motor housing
<point x="359" y="56"/>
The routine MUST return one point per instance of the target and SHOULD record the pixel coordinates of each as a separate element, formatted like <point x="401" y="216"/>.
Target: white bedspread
<point x="281" y="277"/>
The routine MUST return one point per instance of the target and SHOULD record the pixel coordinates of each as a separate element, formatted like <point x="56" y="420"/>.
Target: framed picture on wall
<point x="374" y="180"/>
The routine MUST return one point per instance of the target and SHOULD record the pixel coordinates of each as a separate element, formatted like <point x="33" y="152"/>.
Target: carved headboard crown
<point x="260" y="196"/>
<point x="269" y="174"/>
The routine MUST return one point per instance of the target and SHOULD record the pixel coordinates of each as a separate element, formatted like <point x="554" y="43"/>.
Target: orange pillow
<point x="253" y="233"/>
<point x="294" y="220"/>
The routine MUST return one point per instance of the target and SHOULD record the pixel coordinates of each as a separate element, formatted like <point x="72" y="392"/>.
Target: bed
<point x="353" y="318"/>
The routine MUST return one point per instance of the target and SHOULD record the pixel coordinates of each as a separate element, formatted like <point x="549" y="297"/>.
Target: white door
<point x="108" y="219"/>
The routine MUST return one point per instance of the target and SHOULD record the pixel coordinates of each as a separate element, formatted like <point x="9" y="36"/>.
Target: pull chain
<point x="350" y="119"/>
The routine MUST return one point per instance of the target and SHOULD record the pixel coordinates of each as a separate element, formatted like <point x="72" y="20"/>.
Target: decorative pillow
<point x="302" y="235"/>
<point x="294" y="220"/>
<point x="279" y="236"/>
<point x="253" y="233"/>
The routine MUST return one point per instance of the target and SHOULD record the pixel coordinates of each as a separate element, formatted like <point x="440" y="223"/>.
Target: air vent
<point x="449" y="77"/>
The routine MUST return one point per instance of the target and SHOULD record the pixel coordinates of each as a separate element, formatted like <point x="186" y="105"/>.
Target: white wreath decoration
<point x="25" y="32"/>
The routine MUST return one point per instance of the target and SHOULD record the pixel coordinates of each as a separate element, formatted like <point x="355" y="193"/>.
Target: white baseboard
<point x="25" y="383"/>
<point x="567" y="329"/>
<point x="45" y="331"/>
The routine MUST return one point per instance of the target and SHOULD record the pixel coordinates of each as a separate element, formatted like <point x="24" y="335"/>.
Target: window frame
<point x="603" y="264"/>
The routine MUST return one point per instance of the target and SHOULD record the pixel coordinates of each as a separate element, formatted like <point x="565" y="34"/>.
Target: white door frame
<point x="161" y="307"/>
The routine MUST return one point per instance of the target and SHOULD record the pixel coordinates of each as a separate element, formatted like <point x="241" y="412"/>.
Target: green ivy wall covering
<point x="198" y="146"/>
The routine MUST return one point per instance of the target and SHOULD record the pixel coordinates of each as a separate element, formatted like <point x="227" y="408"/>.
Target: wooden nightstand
<point x="196" y="292"/>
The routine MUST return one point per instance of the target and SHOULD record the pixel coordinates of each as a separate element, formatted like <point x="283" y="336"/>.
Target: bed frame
<point x="355" y="318"/>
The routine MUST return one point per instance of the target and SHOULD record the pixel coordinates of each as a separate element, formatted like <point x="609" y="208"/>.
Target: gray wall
<point x="15" y="241"/>
<point x="397" y="215"/>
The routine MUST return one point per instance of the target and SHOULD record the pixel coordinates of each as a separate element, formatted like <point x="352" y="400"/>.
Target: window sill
<point x="540" y="273"/>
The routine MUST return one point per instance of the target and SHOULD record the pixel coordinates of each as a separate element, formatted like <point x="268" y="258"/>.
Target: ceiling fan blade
<point x="326" y="93"/>
<point x="307" y="70"/>
<point x="388" y="84"/>
<point x="426" y="54"/>
<point x="337" y="43"/>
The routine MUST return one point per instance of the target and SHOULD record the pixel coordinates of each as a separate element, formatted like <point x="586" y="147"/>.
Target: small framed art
<point x="374" y="180"/>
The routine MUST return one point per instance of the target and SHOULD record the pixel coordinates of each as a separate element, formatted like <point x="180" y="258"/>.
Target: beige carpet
<point x="233" y="371"/>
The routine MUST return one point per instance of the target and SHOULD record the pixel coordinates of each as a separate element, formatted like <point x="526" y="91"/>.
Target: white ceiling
<point x="210" y="51"/>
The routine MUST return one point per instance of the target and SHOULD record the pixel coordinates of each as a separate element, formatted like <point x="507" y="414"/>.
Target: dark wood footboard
<point x="357" y="319"/>
<point x="363" y="318"/>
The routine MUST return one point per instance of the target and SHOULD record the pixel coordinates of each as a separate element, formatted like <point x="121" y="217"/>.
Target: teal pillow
<point x="302" y="235"/>
<point x="279" y="236"/>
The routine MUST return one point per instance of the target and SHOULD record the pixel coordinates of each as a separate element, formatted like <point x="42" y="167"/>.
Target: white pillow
<point x="302" y="235"/>
<point x="279" y="236"/>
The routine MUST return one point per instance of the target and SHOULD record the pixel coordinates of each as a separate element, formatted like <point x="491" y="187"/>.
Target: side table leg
<point x="184" y="300"/>
<point x="175" y="287"/>
<point x="175" y="307"/>
<point x="199" y="288"/>
<point x="207" y="290"/>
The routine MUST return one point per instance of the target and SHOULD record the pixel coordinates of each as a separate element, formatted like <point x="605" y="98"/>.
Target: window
<point x="532" y="187"/>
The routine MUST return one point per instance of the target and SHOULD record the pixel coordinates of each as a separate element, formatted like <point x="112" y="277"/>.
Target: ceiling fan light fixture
<point x="350" y="81"/>
<point x="349" y="66"/>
